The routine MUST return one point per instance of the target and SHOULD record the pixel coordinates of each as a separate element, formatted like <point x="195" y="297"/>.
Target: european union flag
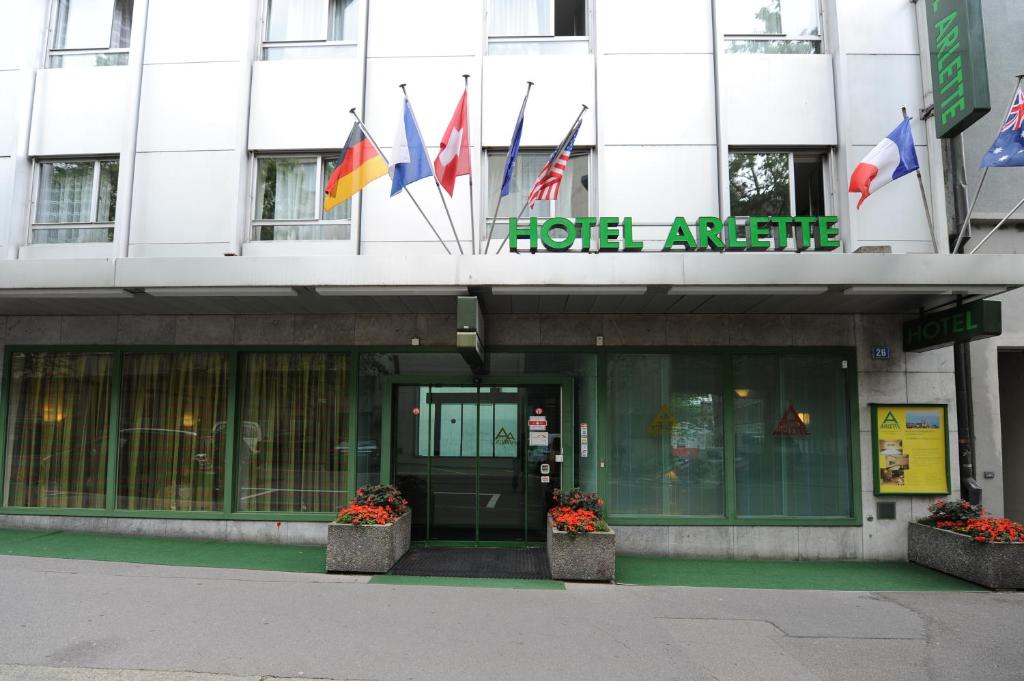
<point x="1008" y="149"/>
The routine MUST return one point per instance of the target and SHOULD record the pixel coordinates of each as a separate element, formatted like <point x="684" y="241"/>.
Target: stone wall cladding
<point x="588" y="557"/>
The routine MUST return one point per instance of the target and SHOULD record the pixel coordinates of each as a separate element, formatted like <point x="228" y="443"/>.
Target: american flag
<point x="550" y="178"/>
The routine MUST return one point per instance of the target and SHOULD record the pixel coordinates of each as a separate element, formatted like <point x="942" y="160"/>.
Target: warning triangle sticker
<point x="662" y="423"/>
<point x="790" y="424"/>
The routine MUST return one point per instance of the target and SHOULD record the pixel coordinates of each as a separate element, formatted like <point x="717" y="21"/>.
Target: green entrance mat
<point x="163" y="551"/>
<point x="819" y="575"/>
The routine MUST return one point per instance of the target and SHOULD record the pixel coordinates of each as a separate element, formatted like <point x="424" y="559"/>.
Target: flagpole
<point x="472" y="212"/>
<point x="924" y="199"/>
<point x="490" y="232"/>
<point x="1000" y="224"/>
<point x="560" y="145"/>
<point x="411" y="197"/>
<point x="984" y="173"/>
<point x="436" y="183"/>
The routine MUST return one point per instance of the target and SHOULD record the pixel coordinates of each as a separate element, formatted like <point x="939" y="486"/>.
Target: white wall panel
<point x="652" y="26"/>
<point x="414" y="28"/>
<point x="79" y="111"/>
<point x="785" y="99"/>
<point x="303" y="103"/>
<point x="23" y="26"/>
<point x="185" y="197"/>
<point x="878" y="86"/>
<point x="656" y="184"/>
<point x="387" y="218"/>
<point x="638" y="105"/>
<point x="13" y="85"/>
<point x="434" y="87"/>
<point x="6" y="188"/>
<point x="561" y="84"/>
<point x="198" y="30"/>
<point x="190" y="106"/>
<point x="894" y="213"/>
<point x="887" y="27"/>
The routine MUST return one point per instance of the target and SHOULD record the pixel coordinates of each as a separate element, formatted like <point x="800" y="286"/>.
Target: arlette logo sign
<point x="890" y="422"/>
<point x="706" y="234"/>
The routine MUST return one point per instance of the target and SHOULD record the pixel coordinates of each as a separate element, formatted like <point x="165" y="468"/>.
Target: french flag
<point x="893" y="158"/>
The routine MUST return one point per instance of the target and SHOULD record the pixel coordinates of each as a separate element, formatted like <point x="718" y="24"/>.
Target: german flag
<point x="359" y="164"/>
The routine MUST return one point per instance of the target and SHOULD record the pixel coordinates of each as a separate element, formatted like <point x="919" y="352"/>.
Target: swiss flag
<point x="453" y="160"/>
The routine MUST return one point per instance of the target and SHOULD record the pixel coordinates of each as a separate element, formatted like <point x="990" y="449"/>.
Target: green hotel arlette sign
<point x="706" y="234"/>
<point x="956" y="41"/>
<point x="962" y="324"/>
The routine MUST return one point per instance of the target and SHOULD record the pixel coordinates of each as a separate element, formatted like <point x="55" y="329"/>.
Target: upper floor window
<point x="76" y="201"/>
<point x="771" y="26"/>
<point x="776" y="183"/>
<point x="297" y="29"/>
<point x="91" y="32"/>
<point x="537" y="27"/>
<point x="573" y="195"/>
<point x="290" y="198"/>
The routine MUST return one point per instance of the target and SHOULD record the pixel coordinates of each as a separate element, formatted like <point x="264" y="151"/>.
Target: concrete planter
<point x="588" y="557"/>
<point x="367" y="548"/>
<point x="995" y="565"/>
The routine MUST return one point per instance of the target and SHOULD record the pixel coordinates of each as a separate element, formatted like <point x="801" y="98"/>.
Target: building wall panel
<point x="79" y="111"/>
<point x="190" y="106"/>
<point x="199" y="30"/>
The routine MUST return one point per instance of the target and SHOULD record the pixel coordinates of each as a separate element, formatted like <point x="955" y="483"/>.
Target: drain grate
<point x="424" y="561"/>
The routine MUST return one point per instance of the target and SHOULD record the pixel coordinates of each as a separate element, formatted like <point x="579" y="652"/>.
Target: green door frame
<point x="566" y="403"/>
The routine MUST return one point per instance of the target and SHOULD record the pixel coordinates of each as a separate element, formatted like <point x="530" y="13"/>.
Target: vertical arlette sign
<point x="956" y="41"/>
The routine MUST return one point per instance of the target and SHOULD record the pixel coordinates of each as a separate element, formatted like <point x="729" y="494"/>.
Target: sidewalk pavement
<point x="65" y="620"/>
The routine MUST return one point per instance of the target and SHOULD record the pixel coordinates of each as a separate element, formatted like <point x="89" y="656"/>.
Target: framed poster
<point x="911" y="448"/>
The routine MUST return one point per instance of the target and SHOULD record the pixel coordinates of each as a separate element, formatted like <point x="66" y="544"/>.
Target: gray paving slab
<point x="69" y="614"/>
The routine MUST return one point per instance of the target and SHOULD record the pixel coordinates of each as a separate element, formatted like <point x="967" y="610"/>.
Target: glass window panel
<point x="106" y="206"/>
<point x="667" y="434"/>
<point x="573" y="195"/>
<point x="801" y="17"/>
<point x="751" y="16"/>
<point x="83" y="24"/>
<point x="65" y="192"/>
<point x="809" y="178"/>
<point x="296" y="20"/>
<point x="295" y="408"/>
<point x="792" y="436"/>
<point x="73" y="235"/>
<point x="734" y="46"/>
<point x="286" y="189"/>
<point x="570" y="17"/>
<point x="538" y="46"/>
<point x="759" y="184"/>
<point x="57" y="430"/>
<point x="520" y="18"/>
<point x="121" y="27"/>
<point x="316" y="232"/>
<point x="309" y="52"/>
<point x="173" y="430"/>
<point x="88" y="60"/>
<point x="343" y="20"/>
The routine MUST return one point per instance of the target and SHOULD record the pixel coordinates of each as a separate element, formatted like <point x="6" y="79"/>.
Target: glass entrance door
<point x="469" y="464"/>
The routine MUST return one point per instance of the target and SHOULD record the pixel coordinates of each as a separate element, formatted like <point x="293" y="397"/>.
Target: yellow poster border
<point x="876" y="468"/>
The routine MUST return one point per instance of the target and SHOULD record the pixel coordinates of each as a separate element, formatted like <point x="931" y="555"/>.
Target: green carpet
<point x="756" y="574"/>
<point x="782" y="574"/>
<point x="162" y="551"/>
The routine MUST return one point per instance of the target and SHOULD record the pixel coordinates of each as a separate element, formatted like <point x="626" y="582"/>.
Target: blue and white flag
<point x="1008" y="149"/>
<point x="409" y="161"/>
<point x="891" y="159"/>
<point x="513" y="150"/>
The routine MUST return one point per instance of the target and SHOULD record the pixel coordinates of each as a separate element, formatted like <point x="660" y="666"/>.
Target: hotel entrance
<point x="477" y="462"/>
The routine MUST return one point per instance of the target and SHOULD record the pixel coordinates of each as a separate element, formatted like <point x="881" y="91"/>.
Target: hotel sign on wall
<point x="761" y="233"/>
<point x="956" y="42"/>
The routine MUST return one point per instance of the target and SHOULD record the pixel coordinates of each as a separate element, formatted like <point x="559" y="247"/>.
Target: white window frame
<point x="51" y="35"/>
<point x="784" y="37"/>
<point x="266" y="44"/>
<point x="827" y="158"/>
<point x="550" y="38"/>
<point x="321" y="181"/>
<point x="37" y="176"/>
<point x="501" y="223"/>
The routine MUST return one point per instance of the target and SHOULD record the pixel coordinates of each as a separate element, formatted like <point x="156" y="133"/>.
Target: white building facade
<point x="194" y="346"/>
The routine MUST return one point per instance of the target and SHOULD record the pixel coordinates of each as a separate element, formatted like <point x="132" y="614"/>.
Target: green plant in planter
<point x="577" y="512"/>
<point x="952" y="511"/>
<point x="374" y="505"/>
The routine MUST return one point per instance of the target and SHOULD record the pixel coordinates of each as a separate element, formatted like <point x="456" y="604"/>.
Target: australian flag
<point x="1008" y="149"/>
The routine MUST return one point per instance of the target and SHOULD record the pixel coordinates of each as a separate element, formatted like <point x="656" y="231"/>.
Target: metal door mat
<point x="524" y="563"/>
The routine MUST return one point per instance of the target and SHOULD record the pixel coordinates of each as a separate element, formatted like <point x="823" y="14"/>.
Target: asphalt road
<point x="64" y="620"/>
